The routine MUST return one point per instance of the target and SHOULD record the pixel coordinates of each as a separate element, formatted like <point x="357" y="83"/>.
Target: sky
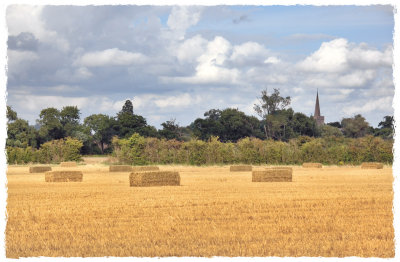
<point x="177" y="62"/>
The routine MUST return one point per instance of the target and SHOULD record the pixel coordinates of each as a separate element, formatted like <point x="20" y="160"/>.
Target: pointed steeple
<point x="317" y="112"/>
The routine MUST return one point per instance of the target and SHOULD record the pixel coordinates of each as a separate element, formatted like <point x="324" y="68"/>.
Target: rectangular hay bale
<point x="154" y="178"/>
<point x="145" y="168"/>
<point x="120" y="168"/>
<point x="274" y="174"/>
<point x="371" y="165"/>
<point x="39" y="169"/>
<point x="240" y="168"/>
<point x="68" y="164"/>
<point x="63" y="176"/>
<point x="312" y="165"/>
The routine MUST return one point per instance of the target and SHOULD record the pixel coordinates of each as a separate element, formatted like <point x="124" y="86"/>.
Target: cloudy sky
<point x="180" y="61"/>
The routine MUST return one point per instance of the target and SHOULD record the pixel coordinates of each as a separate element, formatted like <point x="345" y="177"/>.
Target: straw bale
<point x="241" y="168"/>
<point x="274" y="174"/>
<point x="312" y="165"/>
<point x="39" y="169"/>
<point x="63" y="176"/>
<point x="120" y="168"/>
<point x="68" y="164"/>
<point x="371" y="165"/>
<point x="145" y="168"/>
<point x="154" y="178"/>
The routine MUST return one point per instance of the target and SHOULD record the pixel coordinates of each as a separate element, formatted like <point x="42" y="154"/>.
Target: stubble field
<point x="334" y="211"/>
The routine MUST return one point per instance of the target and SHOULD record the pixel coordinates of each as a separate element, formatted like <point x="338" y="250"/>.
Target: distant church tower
<point x="317" y="113"/>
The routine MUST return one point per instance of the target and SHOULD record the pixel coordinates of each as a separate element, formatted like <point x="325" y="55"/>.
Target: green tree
<point x="50" y="124"/>
<point x="127" y="107"/>
<point x="20" y="134"/>
<point x="129" y="123"/>
<point x="101" y="128"/>
<point x="171" y="130"/>
<point x="268" y="109"/>
<point x="385" y="128"/>
<point x="355" y="127"/>
<point x="11" y="114"/>
<point x="69" y="118"/>
<point x="229" y="125"/>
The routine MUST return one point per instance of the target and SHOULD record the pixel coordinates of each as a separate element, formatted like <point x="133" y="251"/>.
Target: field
<point x="333" y="211"/>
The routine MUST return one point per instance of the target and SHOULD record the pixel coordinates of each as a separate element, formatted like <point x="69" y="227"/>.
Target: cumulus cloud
<point x="191" y="49"/>
<point x="211" y="65"/>
<point x="249" y="53"/>
<point x="330" y="57"/>
<point x="110" y="57"/>
<point x="27" y="19"/>
<point x="181" y="18"/>
<point x="339" y="55"/>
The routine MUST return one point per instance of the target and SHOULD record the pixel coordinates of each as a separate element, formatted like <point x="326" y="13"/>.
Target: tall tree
<point x="69" y="118"/>
<point x="129" y="123"/>
<point x="270" y="109"/>
<point x="50" y="124"/>
<point x="102" y="129"/>
<point x="127" y="107"/>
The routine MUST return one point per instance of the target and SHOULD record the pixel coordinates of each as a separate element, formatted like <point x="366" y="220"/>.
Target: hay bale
<point x="273" y="174"/>
<point x="312" y="165"/>
<point x="39" y="169"/>
<point x="145" y="168"/>
<point x="240" y="168"/>
<point x="68" y="164"/>
<point x="154" y="178"/>
<point x="371" y="165"/>
<point x="63" y="176"/>
<point x="120" y="168"/>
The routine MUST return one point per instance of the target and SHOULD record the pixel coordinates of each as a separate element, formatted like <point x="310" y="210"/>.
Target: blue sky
<point x="180" y="61"/>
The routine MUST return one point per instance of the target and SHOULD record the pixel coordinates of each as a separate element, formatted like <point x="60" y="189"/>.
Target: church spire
<point x="317" y="112"/>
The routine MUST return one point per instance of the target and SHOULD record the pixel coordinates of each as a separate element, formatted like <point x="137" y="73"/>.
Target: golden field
<point x="333" y="211"/>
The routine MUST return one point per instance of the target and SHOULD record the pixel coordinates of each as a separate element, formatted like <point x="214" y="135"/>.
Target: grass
<point x="327" y="212"/>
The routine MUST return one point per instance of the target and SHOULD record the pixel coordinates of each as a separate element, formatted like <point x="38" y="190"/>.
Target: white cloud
<point x="381" y="104"/>
<point x="351" y="79"/>
<point x="366" y="57"/>
<point x="27" y="18"/>
<point x="211" y="65"/>
<point x="110" y="57"/>
<point x="330" y="57"/>
<point x="181" y="18"/>
<point x="339" y="55"/>
<point x="272" y="60"/>
<point x="248" y="52"/>
<point x="37" y="102"/>
<point x="191" y="49"/>
<point x="357" y="78"/>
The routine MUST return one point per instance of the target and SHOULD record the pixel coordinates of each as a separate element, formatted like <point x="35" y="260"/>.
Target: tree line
<point x="278" y="122"/>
